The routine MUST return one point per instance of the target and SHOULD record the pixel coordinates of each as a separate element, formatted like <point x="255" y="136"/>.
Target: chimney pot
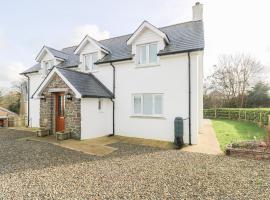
<point x="197" y="11"/>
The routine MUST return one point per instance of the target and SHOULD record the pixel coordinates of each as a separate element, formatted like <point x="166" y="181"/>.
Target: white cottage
<point x="133" y="85"/>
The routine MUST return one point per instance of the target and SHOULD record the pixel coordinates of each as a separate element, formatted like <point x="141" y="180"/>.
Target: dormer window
<point x="89" y="60"/>
<point x="147" y="54"/>
<point x="48" y="64"/>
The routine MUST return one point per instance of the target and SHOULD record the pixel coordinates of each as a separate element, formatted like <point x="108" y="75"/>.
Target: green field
<point x="229" y="131"/>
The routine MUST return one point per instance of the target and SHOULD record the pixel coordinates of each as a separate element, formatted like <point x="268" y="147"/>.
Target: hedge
<point x="259" y="116"/>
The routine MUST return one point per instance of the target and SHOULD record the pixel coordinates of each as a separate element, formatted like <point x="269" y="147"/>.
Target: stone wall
<point x="72" y="109"/>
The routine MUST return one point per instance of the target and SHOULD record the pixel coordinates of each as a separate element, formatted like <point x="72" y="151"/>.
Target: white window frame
<point x="147" y="62"/>
<point x="141" y="114"/>
<point x="92" y="66"/>
<point x="46" y="68"/>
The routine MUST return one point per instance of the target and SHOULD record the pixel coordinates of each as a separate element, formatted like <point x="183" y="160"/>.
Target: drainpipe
<point x="113" y="99"/>
<point x="189" y="98"/>
<point x="28" y="99"/>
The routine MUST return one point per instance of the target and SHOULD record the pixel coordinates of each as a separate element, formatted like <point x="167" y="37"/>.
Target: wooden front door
<point x="59" y="112"/>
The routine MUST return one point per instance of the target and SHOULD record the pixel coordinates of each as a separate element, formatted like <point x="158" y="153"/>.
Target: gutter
<point x="189" y="99"/>
<point x="182" y="51"/>
<point x="110" y="61"/>
<point x="28" y="99"/>
<point x="112" y="99"/>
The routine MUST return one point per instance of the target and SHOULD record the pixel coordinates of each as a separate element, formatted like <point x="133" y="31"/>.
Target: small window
<point x="100" y="104"/>
<point x="89" y="60"/>
<point x="148" y="104"/>
<point x="147" y="54"/>
<point x="47" y="65"/>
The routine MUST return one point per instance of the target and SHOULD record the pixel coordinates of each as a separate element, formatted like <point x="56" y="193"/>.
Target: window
<point x="89" y="60"/>
<point x="148" y="104"/>
<point x="47" y="65"/>
<point x="100" y="105"/>
<point x="147" y="54"/>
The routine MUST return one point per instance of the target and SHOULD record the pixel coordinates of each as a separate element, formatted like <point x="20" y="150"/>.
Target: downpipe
<point x="28" y="100"/>
<point x="113" y="114"/>
<point x="189" y="98"/>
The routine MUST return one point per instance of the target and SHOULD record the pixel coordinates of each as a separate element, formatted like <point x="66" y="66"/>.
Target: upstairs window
<point x="148" y="104"/>
<point x="147" y="54"/>
<point x="47" y="65"/>
<point x="89" y="60"/>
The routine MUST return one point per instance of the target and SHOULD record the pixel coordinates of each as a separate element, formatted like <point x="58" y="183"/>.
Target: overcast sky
<point x="231" y="26"/>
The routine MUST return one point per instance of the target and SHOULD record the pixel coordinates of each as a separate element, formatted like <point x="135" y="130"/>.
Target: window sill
<point x="148" y="116"/>
<point x="147" y="65"/>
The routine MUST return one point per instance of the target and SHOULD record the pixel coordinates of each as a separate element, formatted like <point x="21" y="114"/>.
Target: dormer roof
<point x="53" y="52"/>
<point x="88" y="39"/>
<point x="147" y="25"/>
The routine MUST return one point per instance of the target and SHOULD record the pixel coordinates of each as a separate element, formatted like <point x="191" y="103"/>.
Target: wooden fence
<point x="258" y="116"/>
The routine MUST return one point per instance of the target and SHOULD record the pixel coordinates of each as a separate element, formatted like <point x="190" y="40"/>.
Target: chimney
<point x="197" y="11"/>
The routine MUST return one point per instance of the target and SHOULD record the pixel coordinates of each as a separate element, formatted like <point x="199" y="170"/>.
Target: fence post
<point x="215" y="113"/>
<point x="245" y="115"/>
<point x="260" y="119"/>
<point x="268" y="123"/>
<point x="229" y="114"/>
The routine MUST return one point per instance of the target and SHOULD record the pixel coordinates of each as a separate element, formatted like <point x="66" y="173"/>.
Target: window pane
<point x="142" y="54"/>
<point x="158" y="104"/>
<point x="60" y="106"/>
<point x="152" y="53"/>
<point x="147" y="104"/>
<point x="137" y="105"/>
<point x="94" y="59"/>
<point x="87" y="62"/>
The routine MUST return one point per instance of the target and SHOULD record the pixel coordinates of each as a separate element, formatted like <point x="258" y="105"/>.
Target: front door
<point x="59" y="112"/>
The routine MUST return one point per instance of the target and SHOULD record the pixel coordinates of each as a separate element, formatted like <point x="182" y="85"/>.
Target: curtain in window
<point x="153" y="53"/>
<point x="147" y="104"/>
<point x="87" y="61"/>
<point x="137" y="105"/>
<point x="158" y="104"/>
<point x="142" y="54"/>
<point x="94" y="59"/>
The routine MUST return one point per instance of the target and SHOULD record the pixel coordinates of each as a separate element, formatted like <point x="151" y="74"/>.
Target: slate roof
<point x="86" y="84"/>
<point x="58" y="54"/>
<point x="188" y="36"/>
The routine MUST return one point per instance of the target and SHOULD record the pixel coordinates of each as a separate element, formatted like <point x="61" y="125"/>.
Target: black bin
<point x="178" y="131"/>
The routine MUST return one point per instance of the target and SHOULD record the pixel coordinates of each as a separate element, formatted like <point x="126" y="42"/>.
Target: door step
<point x="62" y="136"/>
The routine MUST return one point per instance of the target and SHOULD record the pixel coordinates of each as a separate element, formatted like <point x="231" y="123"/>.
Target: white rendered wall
<point x="35" y="81"/>
<point x="95" y="123"/>
<point x="169" y="78"/>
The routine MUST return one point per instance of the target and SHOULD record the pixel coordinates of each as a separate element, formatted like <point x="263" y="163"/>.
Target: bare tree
<point x="233" y="76"/>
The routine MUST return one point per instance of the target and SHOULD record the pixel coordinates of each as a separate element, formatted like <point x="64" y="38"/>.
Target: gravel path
<point x="27" y="172"/>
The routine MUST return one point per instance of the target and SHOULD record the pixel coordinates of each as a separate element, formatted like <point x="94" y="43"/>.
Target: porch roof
<point x="84" y="85"/>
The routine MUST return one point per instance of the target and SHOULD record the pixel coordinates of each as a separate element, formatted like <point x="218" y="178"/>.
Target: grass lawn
<point x="228" y="131"/>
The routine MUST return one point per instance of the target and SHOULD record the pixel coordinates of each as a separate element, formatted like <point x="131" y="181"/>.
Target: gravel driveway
<point x="33" y="170"/>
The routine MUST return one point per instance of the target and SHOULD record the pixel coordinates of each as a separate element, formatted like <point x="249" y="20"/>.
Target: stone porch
<point x="72" y="111"/>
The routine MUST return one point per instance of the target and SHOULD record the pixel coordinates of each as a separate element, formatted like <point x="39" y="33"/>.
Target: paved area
<point x="101" y="146"/>
<point x="208" y="142"/>
<point x="35" y="170"/>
